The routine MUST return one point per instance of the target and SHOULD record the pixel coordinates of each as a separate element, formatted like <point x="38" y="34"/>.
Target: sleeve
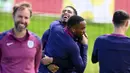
<point x="0" y="57"/>
<point x="77" y="59"/>
<point x="95" y="52"/>
<point x="0" y="48"/>
<point x="44" y="40"/>
<point x="83" y="53"/>
<point x="1" y="36"/>
<point x="47" y="32"/>
<point x="45" y="37"/>
<point x="62" y="63"/>
<point x="38" y="57"/>
<point x="0" y="52"/>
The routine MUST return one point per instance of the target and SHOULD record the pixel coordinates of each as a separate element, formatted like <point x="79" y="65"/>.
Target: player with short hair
<point x="63" y="45"/>
<point x="20" y="49"/>
<point x="112" y="51"/>
<point x="67" y="12"/>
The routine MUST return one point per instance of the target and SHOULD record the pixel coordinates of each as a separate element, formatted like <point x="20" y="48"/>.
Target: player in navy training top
<point x="66" y="14"/>
<point x="112" y="51"/>
<point x="64" y="47"/>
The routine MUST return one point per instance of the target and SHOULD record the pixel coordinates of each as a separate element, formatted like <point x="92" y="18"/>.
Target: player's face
<point x="21" y="19"/>
<point x="80" y="29"/>
<point x="66" y="14"/>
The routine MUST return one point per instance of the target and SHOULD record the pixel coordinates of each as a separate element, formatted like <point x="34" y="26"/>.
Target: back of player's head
<point x="22" y="6"/>
<point x="75" y="11"/>
<point x="120" y="17"/>
<point x="74" y="20"/>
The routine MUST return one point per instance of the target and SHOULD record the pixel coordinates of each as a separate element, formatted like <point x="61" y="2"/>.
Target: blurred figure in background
<point x="112" y="51"/>
<point x="20" y="49"/>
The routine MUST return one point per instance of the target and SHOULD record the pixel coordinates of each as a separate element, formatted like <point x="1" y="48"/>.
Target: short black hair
<point x="75" y="11"/>
<point x="120" y="17"/>
<point x="73" y="20"/>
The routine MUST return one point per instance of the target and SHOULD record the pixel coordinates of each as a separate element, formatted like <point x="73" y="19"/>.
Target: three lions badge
<point x="30" y="44"/>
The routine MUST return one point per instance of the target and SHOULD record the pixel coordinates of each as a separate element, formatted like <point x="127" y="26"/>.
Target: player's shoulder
<point x="103" y="36"/>
<point x="34" y="36"/>
<point x="3" y="34"/>
<point x="55" y="23"/>
<point x="72" y="47"/>
<point x="71" y="43"/>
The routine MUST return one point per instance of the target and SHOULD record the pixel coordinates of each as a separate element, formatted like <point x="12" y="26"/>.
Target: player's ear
<point x="127" y="23"/>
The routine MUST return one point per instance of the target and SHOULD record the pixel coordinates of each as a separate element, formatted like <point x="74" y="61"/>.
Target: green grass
<point x="40" y="23"/>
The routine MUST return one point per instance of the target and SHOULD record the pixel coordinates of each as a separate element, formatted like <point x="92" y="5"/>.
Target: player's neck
<point x="119" y="31"/>
<point x="65" y="25"/>
<point x="20" y="34"/>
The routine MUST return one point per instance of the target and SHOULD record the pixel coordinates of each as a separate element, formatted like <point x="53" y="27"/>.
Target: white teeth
<point x="22" y="25"/>
<point x="65" y="16"/>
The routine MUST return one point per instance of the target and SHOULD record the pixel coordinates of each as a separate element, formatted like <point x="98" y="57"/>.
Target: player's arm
<point x="76" y="58"/>
<point x="84" y="48"/>
<point x="0" y="50"/>
<point x="0" y="54"/>
<point x="95" y="52"/>
<point x="46" y="34"/>
<point x="38" y="57"/>
<point x="51" y="60"/>
<point x="83" y="45"/>
<point x="61" y="62"/>
<point x="0" y="57"/>
<point x="83" y="52"/>
<point x="44" y="38"/>
<point x="1" y="36"/>
<point x="48" y="60"/>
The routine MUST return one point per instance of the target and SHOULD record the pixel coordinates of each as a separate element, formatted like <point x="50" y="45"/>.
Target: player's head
<point x="21" y="15"/>
<point x="67" y="12"/>
<point x="77" y="25"/>
<point x="121" y="19"/>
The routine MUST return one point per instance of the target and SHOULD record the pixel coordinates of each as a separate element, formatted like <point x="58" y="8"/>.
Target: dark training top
<point x="113" y="53"/>
<point x="64" y="47"/>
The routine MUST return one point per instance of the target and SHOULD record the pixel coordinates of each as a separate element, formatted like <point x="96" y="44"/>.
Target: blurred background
<point x="98" y="14"/>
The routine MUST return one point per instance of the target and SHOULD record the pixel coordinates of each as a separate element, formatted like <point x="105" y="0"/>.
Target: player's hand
<point x="46" y="60"/>
<point x="84" y="39"/>
<point x="53" y="68"/>
<point x="85" y="34"/>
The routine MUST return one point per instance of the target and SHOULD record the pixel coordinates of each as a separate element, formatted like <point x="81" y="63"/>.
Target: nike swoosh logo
<point x="8" y="44"/>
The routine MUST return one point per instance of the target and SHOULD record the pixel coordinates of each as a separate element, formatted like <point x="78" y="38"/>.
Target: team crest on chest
<point x="30" y="44"/>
